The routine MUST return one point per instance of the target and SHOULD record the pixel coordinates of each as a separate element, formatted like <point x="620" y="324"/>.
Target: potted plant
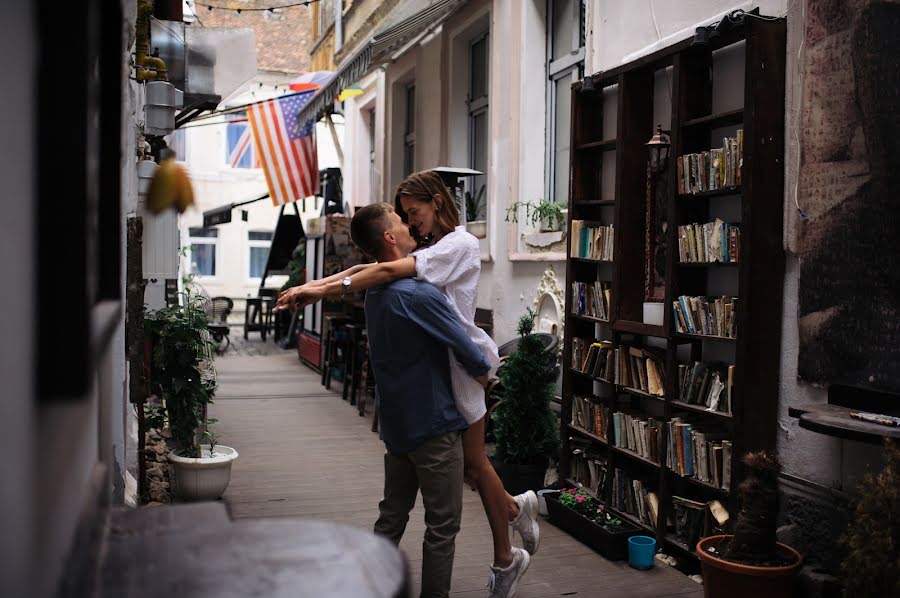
<point x="545" y="215"/>
<point x="590" y="521"/>
<point x="872" y="541"/>
<point x="525" y="428"/>
<point x="182" y="376"/>
<point x="476" y="223"/>
<point x="750" y="562"/>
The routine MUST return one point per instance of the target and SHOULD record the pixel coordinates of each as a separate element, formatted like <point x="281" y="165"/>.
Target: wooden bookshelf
<point x="606" y="140"/>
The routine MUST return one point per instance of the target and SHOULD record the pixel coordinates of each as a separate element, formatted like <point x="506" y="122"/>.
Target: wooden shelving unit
<point x="757" y="279"/>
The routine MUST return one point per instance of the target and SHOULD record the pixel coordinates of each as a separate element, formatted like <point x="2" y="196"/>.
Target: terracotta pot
<point x="724" y="579"/>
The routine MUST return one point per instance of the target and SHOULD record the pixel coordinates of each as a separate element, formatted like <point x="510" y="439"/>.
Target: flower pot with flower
<point x="590" y="521"/>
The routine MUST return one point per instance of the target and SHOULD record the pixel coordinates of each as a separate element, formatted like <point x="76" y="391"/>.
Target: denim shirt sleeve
<point x="431" y="311"/>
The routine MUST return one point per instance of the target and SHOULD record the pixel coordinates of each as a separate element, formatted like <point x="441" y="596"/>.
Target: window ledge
<point x="517" y="256"/>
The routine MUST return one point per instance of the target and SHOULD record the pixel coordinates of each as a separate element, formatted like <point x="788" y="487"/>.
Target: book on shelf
<point x="632" y="496"/>
<point x="709" y="316"/>
<point x="710" y="242"/>
<point x="641" y="436"/>
<point x="695" y="453"/>
<point x="708" y="385"/>
<point x="695" y="519"/>
<point x="590" y="415"/>
<point x="592" y="241"/>
<point x="713" y="169"/>
<point x="588" y="467"/>
<point x="591" y="299"/>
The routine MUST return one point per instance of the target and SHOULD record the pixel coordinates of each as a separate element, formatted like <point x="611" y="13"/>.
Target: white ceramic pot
<point x="477" y="228"/>
<point x="204" y="478"/>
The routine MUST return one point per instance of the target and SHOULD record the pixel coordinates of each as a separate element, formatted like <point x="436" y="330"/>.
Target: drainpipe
<point x="147" y="68"/>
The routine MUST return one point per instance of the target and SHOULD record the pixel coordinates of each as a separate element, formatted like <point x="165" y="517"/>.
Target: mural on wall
<point x="850" y="246"/>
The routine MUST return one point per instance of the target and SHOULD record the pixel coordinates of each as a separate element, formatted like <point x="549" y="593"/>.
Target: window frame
<point x="572" y="63"/>
<point x="477" y="107"/>
<point x="214" y="241"/>
<point x="256" y="244"/>
<point x="409" y="134"/>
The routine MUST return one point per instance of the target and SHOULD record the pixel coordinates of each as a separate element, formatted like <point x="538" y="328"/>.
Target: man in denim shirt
<point x="410" y="325"/>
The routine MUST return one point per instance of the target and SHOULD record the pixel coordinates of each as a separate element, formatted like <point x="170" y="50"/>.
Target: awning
<point x="407" y="21"/>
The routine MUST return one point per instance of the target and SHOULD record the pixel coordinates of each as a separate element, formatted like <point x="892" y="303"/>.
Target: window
<point x="565" y="66"/>
<point x="258" y="243"/>
<point x="239" y="152"/>
<point x="204" y="247"/>
<point x="372" y="181"/>
<point x="478" y="122"/>
<point x="409" y="138"/>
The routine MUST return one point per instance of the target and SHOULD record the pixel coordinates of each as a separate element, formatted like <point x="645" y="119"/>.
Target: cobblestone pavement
<point x="254" y="345"/>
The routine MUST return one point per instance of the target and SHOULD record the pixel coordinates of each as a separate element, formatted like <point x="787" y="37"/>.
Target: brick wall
<point x="283" y="39"/>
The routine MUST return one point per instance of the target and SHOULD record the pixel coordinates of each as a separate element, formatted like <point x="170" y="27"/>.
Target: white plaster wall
<point x="16" y="308"/>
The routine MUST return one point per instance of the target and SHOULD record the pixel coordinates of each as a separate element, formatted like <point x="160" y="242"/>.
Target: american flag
<point x="287" y="154"/>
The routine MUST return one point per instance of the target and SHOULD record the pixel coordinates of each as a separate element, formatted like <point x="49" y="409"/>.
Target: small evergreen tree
<point x="525" y="429"/>
<point x="872" y="540"/>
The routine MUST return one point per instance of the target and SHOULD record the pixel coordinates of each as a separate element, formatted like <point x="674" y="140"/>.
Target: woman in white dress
<point x="452" y="263"/>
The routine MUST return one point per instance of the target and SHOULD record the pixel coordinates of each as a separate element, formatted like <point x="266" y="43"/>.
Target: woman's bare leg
<point x="499" y="506"/>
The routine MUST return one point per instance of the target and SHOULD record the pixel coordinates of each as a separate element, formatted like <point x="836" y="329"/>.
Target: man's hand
<point x="299" y="297"/>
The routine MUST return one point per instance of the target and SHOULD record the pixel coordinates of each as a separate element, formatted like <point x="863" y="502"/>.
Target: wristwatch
<point x="345" y="286"/>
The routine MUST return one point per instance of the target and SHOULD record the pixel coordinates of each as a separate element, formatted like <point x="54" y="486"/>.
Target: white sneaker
<point x="503" y="582"/>
<point x="526" y="522"/>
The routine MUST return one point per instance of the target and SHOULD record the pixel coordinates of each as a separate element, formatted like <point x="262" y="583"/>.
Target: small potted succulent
<point x="751" y="563"/>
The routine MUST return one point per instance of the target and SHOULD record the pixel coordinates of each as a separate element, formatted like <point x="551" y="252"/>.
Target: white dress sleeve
<point x="450" y="259"/>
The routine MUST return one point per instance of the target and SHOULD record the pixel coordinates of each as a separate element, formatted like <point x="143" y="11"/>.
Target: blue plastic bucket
<point x="640" y="552"/>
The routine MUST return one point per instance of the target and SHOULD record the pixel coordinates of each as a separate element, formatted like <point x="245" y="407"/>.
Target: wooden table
<point x="254" y="557"/>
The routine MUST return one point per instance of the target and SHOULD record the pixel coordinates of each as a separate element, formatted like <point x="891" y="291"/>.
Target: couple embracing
<point x="431" y="364"/>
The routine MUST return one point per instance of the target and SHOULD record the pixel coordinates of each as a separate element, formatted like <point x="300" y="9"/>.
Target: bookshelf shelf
<point x="722" y="119"/>
<point x="702" y="410"/>
<point x="595" y="202"/>
<point x="705" y="485"/>
<point x="723" y="192"/>
<point x="605" y="145"/>
<point x="634" y="456"/>
<point x="706" y="337"/>
<point x="708" y="264"/>
<point x="624" y="117"/>
<point x="590" y="319"/>
<point x="583" y="432"/>
<point x="639" y="328"/>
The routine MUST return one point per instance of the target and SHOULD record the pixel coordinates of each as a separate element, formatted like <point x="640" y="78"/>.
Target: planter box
<point x="612" y="545"/>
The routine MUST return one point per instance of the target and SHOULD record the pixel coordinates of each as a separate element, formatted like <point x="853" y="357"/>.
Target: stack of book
<point x="714" y="169"/>
<point x="592" y="357"/>
<point x="712" y="316"/>
<point x="711" y="242"/>
<point x="587" y="467"/>
<point x="695" y="520"/>
<point x="591" y="299"/>
<point x="704" y="456"/>
<point x="640" y="369"/>
<point x="589" y="415"/>
<point x="591" y="241"/>
<point x="638" y="435"/>
<point x="707" y="384"/>
<point x="632" y="496"/>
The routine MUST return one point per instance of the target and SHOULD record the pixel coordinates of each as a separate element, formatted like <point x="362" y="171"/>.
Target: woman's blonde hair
<point x="428" y="186"/>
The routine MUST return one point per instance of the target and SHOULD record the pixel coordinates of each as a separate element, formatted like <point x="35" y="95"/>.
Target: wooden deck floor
<point x="306" y="453"/>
